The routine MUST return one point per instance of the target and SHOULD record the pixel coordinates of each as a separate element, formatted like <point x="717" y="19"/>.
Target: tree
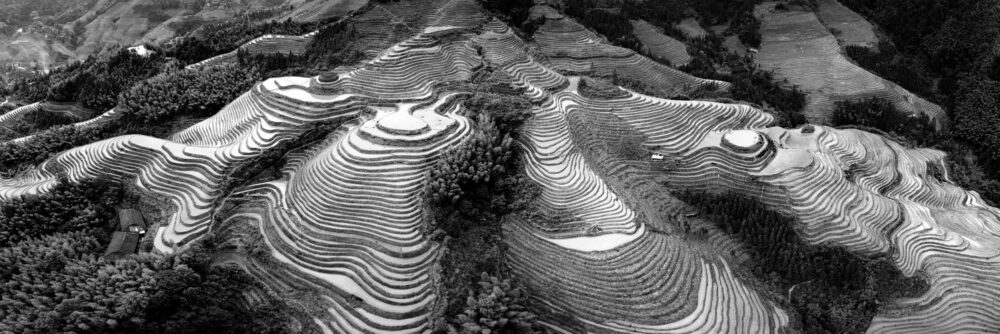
<point x="189" y="92"/>
<point x="498" y="306"/>
<point x="977" y="116"/>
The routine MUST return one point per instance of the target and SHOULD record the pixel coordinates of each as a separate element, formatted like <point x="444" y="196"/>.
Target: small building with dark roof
<point x="131" y="220"/>
<point x="123" y="243"/>
<point x="131" y="227"/>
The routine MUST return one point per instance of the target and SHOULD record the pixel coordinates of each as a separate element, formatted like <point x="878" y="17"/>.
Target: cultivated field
<point x="798" y="47"/>
<point x="661" y="46"/>
<point x="345" y="221"/>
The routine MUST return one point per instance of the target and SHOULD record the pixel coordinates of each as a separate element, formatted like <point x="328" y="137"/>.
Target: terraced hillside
<point x="571" y="47"/>
<point x="661" y="46"/>
<point x="837" y="183"/>
<point x="797" y="46"/>
<point x="849" y="27"/>
<point x="346" y="230"/>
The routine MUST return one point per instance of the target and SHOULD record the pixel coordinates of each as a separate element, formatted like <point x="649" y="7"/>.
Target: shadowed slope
<point x="570" y="47"/>
<point x="797" y="47"/>
<point x="849" y="27"/>
<point x="660" y="45"/>
<point x="871" y="196"/>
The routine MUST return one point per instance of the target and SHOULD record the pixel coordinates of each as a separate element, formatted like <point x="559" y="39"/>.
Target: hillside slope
<point x="797" y="46"/>
<point x="345" y="225"/>
<point x="79" y="31"/>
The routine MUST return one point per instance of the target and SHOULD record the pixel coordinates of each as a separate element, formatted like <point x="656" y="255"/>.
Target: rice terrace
<point x="500" y="166"/>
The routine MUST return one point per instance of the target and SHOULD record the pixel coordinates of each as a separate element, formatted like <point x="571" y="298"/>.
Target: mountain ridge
<point x="347" y="222"/>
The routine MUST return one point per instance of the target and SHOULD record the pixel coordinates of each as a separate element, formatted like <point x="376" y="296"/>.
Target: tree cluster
<point x="976" y="118"/>
<point x="615" y="26"/>
<point x="477" y="160"/>
<point x="761" y="88"/>
<point x="33" y="121"/>
<point x="600" y="89"/>
<point x="746" y="27"/>
<point x="54" y="278"/>
<point x="218" y="38"/>
<point x="189" y="92"/>
<point x="485" y="157"/>
<point x="149" y="100"/>
<point x="497" y="307"/>
<point x="970" y="141"/>
<point x="44" y="145"/>
<point x="514" y="11"/>
<point x="889" y="64"/>
<point x="949" y="37"/>
<point x="58" y="283"/>
<point x="473" y="189"/>
<point x="66" y="208"/>
<point x="329" y="48"/>
<point x="833" y="290"/>
<point x="947" y="43"/>
<point x="97" y="82"/>
<point x="882" y="115"/>
<point x="145" y="107"/>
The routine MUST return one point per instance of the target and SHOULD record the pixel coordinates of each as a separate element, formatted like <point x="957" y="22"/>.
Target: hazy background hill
<point x="39" y="34"/>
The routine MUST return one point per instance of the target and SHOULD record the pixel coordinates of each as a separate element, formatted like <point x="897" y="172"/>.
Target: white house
<point x="141" y="50"/>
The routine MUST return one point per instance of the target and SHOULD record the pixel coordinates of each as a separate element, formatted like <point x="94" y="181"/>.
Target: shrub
<point x="498" y="306"/>
<point x="600" y="89"/>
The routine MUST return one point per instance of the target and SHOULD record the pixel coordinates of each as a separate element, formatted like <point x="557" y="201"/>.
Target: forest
<point x="832" y="290"/>
<point x="473" y="189"/>
<point x="55" y="279"/>
<point x="941" y="50"/>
